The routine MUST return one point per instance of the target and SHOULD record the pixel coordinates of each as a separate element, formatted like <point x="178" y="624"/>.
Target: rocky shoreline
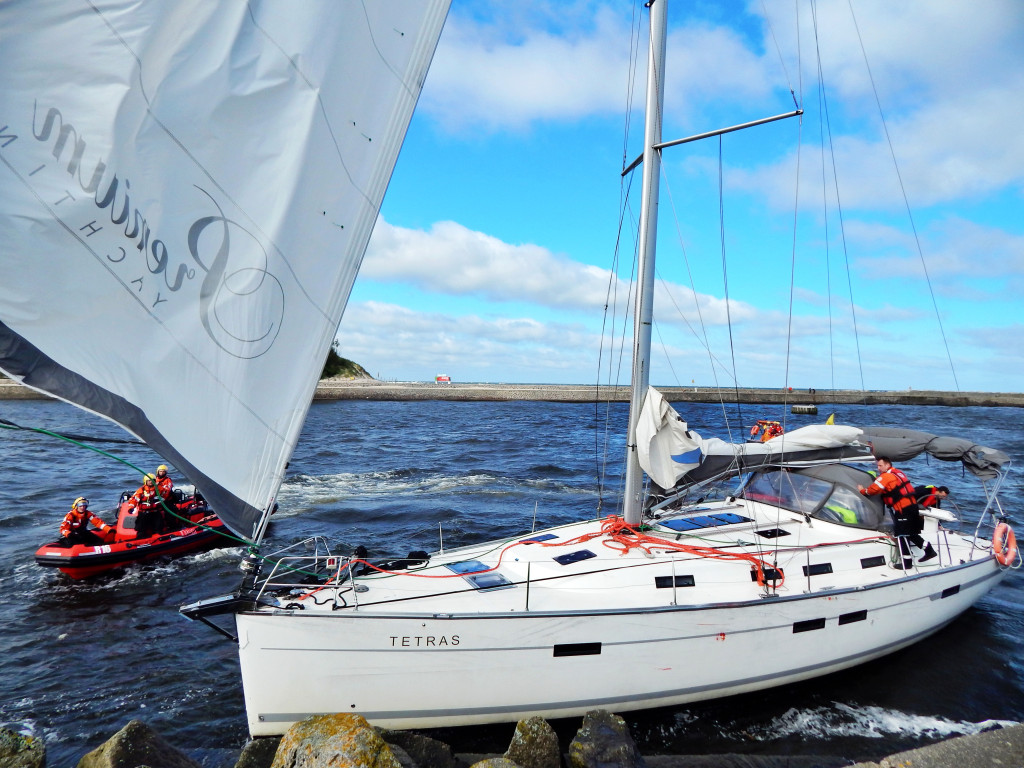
<point x="372" y="389"/>
<point x="602" y="741"/>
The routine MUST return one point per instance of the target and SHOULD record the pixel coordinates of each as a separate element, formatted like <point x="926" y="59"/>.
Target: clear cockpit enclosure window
<point x="788" y="490"/>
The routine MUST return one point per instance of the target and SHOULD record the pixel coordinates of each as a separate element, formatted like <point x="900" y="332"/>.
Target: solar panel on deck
<point x="704" y="521"/>
<point x="538" y="537"/>
<point x="680" y="525"/>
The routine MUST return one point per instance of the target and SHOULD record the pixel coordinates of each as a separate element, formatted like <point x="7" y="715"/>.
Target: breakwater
<point x="570" y="393"/>
<point x="372" y="389"/>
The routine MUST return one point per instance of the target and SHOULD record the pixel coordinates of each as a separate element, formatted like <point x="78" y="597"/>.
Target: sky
<point x="876" y="243"/>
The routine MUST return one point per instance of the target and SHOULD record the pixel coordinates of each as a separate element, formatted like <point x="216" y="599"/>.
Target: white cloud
<point x="397" y="342"/>
<point x="455" y="260"/>
<point x="479" y="78"/>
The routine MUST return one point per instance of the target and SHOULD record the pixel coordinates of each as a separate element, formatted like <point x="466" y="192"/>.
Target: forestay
<point x="186" y="192"/>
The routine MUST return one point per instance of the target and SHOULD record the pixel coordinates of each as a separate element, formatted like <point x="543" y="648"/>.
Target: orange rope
<point x="618" y="535"/>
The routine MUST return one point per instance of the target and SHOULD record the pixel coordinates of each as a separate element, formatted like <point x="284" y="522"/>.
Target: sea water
<point x="81" y="659"/>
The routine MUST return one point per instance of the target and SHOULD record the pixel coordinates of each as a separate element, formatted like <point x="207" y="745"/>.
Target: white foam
<point x="865" y="722"/>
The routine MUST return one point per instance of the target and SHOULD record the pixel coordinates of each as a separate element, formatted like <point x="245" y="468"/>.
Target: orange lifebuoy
<point x="754" y="429"/>
<point x="1004" y="544"/>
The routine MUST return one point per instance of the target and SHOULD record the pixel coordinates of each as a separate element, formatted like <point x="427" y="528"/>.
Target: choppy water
<point x="80" y="659"/>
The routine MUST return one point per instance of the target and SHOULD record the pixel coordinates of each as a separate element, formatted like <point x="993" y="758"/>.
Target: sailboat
<point x="732" y="567"/>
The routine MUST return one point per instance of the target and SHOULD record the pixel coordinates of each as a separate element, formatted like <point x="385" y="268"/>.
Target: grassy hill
<point x="337" y="367"/>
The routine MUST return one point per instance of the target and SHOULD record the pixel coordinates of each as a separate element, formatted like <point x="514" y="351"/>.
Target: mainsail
<point x="186" y="193"/>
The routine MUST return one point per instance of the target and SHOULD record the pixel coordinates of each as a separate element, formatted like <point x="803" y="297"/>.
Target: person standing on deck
<point x="898" y="494"/>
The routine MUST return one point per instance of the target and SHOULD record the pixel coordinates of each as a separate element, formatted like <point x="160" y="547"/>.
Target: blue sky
<point x="491" y="260"/>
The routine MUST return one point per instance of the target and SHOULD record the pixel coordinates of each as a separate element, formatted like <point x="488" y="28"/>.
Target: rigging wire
<point x="725" y="281"/>
<point x="839" y="209"/>
<point x="824" y="200"/>
<point x="696" y="303"/>
<point x="906" y="200"/>
<point x="601" y="453"/>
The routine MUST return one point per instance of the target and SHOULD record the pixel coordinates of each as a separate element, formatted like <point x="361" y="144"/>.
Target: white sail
<point x="666" y="448"/>
<point x="186" y="193"/>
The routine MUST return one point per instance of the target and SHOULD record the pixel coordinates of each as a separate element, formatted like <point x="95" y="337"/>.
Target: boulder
<point x="134" y="746"/>
<point x="495" y="762"/>
<point x="534" y="745"/>
<point x="334" y="741"/>
<point x="19" y="750"/>
<point x="258" y="753"/>
<point x="425" y="752"/>
<point x="604" y="741"/>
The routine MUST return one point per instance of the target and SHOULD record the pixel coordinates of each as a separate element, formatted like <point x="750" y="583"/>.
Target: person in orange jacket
<point x="931" y="495"/>
<point x="898" y="494"/>
<point x="146" y="501"/>
<point x="164" y="484"/>
<point x="74" y="529"/>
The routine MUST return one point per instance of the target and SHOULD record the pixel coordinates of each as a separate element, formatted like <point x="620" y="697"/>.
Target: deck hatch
<point x="487" y="581"/>
<point x="577" y="649"/>
<point x="466" y="566"/>
<point x="808" y="626"/>
<point x="538" y="537"/>
<point x="850" y="618"/>
<point x="574" y="557"/>
<point x="772" y="533"/>
<point x="817" y="569"/>
<point x="665" y="582"/>
<point x="950" y="591"/>
<point x="872" y="562"/>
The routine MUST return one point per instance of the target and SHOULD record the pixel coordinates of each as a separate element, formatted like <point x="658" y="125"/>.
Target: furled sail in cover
<point x="186" y="193"/>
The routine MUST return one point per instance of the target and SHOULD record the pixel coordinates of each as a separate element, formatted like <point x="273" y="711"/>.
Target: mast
<point x="643" y="310"/>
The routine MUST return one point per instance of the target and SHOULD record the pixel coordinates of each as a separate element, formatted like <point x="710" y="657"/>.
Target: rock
<point x="604" y="741"/>
<point x="426" y="752"/>
<point x="495" y="762"/>
<point x="258" y="753"/>
<point x="534" y="745"/>
<point x="21" y="750"/>
<point x="134" y="746"/>
<point x="334" y="741"/>
<point x="1003" y="747"/>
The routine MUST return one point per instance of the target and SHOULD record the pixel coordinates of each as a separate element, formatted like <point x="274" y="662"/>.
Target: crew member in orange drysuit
<point x="146" y="501"/>
<point x="74" y="529"/>
<point x="164" y="484"/>
<point x="898" y="495"/>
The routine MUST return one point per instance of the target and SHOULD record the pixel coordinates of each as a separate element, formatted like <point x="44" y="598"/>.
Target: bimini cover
<point x="904" y="444"/>
<point x="187" y="189"/>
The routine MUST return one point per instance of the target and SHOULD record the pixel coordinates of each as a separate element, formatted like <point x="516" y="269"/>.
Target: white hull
<point x="402" y="665"/>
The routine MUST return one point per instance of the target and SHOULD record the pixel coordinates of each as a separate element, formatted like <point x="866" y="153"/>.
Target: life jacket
<point x="164" y="485"/>
<point x="145" y="495"/>
<point x="77" y="523"/>
<point x="900" y="496"/>
<point x="926" y="497"/>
